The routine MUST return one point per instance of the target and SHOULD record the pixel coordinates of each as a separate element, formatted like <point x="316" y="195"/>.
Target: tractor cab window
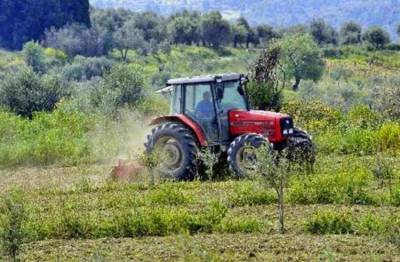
<point x="232" y="98"/>
<point x="176" y="100"/>
<point x="199" y="105"/>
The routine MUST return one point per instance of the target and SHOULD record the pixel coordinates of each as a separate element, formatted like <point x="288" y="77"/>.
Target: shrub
<point x="12" y="234"/>
<point x="86" y="68"/>
<point x="239" y="225"/>
<point x="48" y="138"/>
<point x="315" y="116"/>
<point x="25" y="92"/>
<point x="127" y="82"/>
<point x="251" y="195"/>
<point x="360" y="116"/>
<point x="34" y="56"/>
<point x="371" y="225"/>
<point x="340" y="188"/>
<point x="168" y="195"/>
<point x="388" y="136"/>
<point x="329" y="222"/>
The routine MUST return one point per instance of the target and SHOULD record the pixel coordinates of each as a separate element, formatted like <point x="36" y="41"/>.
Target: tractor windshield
<point x="232" y="98"/>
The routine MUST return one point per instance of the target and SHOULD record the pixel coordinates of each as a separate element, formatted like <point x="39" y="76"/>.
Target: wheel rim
<point x="169" y="153"/>
<point x="246" y="159"/>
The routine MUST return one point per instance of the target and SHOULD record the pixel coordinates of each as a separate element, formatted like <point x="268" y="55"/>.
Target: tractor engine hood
<point x="276" y="126"/>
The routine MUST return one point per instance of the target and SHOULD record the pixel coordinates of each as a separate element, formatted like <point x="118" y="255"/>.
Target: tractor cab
<point x="207" y="101"/>
<point x="213" y="112"/>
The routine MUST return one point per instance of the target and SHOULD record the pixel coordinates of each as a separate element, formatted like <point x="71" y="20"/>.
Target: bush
<point x="58" y="137"/>
<point x="251" y="195"/>
<point x="12" y="234"/>
<point x="168" y="195"/>
<point x="329" y="222"/>
<point x="338" y="188"/>
<point x="314" y="116"/>
<point x="34" y="56"/>
<point x="127" y="82"/>
<point x="25" y="92"/>
<point x="388" y="137"/>
<point x="86" y="68"/>
<point x="360" y="116"/>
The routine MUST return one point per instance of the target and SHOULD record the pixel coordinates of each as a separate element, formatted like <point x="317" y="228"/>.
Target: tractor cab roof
<point x="205" y="79"/>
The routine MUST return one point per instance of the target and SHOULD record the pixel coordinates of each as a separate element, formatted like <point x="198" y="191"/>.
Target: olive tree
<point x="274" y="169"/>
<point x="34" y="56"/>
<point x="323" y="33"/>
<point x="350" y="33"/>
<point x="128" y="37"/>
<point x="126" y="83"/>
<point x="377" y="37"/>
<point x="215" y="30"/>
<point x="26" y="92"/>
<point x="301" y="58"/>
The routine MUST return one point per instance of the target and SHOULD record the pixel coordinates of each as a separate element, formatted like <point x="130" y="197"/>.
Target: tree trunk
<point x="296" y="84"/>
<point x="281" y="211"/>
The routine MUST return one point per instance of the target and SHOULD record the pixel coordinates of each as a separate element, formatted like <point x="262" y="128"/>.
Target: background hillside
<point x="385" y="13"/>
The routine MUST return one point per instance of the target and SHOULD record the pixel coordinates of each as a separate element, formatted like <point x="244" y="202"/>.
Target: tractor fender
<point x="201" y="137"/>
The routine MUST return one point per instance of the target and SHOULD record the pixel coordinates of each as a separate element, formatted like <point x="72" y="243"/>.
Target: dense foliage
<point x="22" y="21"/>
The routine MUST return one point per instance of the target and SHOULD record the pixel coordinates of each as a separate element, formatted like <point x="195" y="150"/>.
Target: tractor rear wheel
<point x="242" y="155"/>
<point x="175" y="148"/>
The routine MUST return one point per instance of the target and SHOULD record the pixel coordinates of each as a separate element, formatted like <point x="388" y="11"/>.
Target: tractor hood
<point x="255" y="115"/>
<point x="275" y="126"/>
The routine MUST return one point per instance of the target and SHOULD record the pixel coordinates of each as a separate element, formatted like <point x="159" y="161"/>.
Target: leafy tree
<point x="323" y="33"/>
<point x="126" y="83"/>
<point x="86" y="68"/>
<point x="243" y="22"/>
<point x="76" y="39"/>
<point x="152" y="26"/>
<point x="25" y="92"/>
<point x="350" y="33"/>
<point x="275" y="171"/>
<point x="266" y="33"/>
<point x="184" y="28"/>
<point x="301" y="58"/>
<point x="34" y="56"/>
<point x="215" y="30"/>
<point x="25" y="20"/>
<point x="239" y="35"/>
<point x="252" y="38"/>
<point x="377" y="37"/>
<point x="129" y="37"/>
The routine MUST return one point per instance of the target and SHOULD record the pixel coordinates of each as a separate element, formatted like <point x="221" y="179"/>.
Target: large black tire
<point x="179" y="142"/>
<point x="236" y="151"/>
<point x="301" y="148"/>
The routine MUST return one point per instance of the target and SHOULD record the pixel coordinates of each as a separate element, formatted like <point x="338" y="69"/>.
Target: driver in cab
<point x="205" y="108"/>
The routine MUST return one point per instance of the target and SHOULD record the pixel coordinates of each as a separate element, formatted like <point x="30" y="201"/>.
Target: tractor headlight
<point x="285" y="132"/>
<point x="291" y="131"/>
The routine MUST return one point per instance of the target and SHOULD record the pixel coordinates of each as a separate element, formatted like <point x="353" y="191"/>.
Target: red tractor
<point x="213" y="112"/>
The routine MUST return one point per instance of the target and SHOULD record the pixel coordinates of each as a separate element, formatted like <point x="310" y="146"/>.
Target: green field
<point x="58" y="165"/>
<point x="341" y="212"/>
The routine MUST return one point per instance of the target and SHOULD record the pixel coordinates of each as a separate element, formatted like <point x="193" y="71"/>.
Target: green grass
<point x="80" y="206"/>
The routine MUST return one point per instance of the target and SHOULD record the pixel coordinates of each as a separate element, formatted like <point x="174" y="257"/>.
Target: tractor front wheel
<point x="242" y="154"/>
<point x="174" y="147"/>
<point x="301" y="148"/>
